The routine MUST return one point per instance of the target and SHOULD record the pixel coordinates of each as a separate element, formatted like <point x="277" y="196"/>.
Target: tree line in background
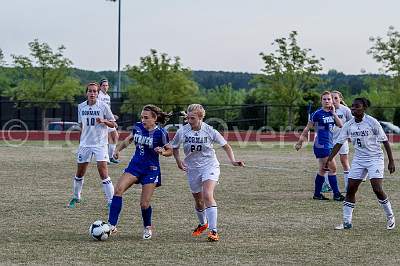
<point x="289" y="79"/>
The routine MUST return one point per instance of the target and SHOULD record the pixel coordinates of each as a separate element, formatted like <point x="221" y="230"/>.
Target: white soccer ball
<point x="99" y="230"/>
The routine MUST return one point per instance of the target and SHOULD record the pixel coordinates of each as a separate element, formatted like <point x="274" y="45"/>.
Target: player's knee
<point x="118" y="190"/>
<point x="378" y="190"/>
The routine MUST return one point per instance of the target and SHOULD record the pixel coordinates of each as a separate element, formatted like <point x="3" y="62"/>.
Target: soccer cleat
<point x="320" y="197"/>
<point x="213" y="236"/>
<point x="391" y="223"/>
<point x="338" y="197"/>
<point x="199" y="229"/>
<point x="326" y="188"/>
<point x="114" y="161"/>
<point x="344" y="226"/>
<point x="147" y="233"/>
<point x="73" y="202"/>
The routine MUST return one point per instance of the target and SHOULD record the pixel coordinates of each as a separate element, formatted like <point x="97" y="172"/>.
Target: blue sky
<point x="207" y="34"/>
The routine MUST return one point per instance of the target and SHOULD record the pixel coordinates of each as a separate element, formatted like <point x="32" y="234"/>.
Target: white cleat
<point x="343" y="226"/>
<point x="391" y="223"/>
<point x="113" y="229"/>
<point x="147" y="233"/>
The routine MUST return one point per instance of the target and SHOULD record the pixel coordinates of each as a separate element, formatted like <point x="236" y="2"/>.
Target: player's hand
<point x="326" y="166"/>
<point x="391" y="167"/>
<point x="181" y="165"/>
<point x="332" y="109"/>
<point x="100" y="120"/>
<point x="298" y="145"/>
<point x="159" y="150"/>
<point x="238" y="163"/>
<point x="116" y="155"/>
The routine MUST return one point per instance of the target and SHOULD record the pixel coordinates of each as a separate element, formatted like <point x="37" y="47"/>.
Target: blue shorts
<point x="322" y="152"/>
<point x="145" y="174"/>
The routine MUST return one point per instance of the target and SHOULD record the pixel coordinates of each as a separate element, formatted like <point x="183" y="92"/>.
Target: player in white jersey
<point x="112" y="131"/>
<point x="366" y="135"/>
<point x="201" y="166"/>
<point x="94" y="117"/>
<point x="344" y="114"/>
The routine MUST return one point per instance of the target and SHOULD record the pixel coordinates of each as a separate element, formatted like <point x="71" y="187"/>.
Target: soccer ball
<point x="99" y="230"/>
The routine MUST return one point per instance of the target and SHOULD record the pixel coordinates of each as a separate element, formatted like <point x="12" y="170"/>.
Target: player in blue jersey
<point x="367" y="135"/>
<point x="324" y="121"/>
<point x="344" y="113"/>
<point x="144" y="168"/>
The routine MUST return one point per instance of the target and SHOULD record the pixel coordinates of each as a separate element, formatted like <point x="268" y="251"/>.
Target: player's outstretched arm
<point x="303" y="135"/>
<point x="165" y="151"/>
<point x="334" y="151"/>
<point x="122" y="145"/>
<point x="228" y="149"/>
<point x="388" y="149"/>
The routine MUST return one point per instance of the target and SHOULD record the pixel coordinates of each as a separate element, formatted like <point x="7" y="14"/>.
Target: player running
<point x="94" y="117"/>
<point x="144" y="168"/>
<point x="366" y="135"/>
<point x="201" y="166"/>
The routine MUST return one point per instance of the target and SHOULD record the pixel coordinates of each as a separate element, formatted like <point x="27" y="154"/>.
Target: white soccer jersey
<point x="366" y="137"/>
<point x="104" y="98"/>
<point x="344" y="114"/>
<point x="198" y="145"/>
<point x="93" y="134"/>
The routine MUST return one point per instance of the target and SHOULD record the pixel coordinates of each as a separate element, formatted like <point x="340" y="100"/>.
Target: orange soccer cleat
<point x="199" y="229"/>
<point x="213" y="236"/>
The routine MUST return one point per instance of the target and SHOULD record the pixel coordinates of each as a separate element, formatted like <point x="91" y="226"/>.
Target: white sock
<point x="201" y="215"/>
<point x="326" y="178"/>
<point x="111" y="149"/>
<point x="77" y="187"/>
<point x="387" y="207"/>
<point x="212" y="213"/>
<point x="348" y="208"/>
<point x="108" y="189"/>
<point x="346" y="180"/>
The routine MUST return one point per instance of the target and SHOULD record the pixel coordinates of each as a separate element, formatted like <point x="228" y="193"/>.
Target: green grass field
<point x="266" y="214"/>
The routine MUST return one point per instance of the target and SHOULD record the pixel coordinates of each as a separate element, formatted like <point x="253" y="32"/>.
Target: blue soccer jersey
<point x="324" y="123"/>
<point x="145" y="142"/>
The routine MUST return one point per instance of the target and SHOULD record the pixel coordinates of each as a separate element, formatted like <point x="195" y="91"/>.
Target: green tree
<point x="45" y="79"/>
<point x="288" y="73"/>
<point x="2" y="62"/>
<point x="161" y="80"/>
<point x="224" y="97"/>
<point x="385" y="90"/>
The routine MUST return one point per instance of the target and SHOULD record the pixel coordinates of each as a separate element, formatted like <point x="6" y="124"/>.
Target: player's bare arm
<point x="165" y="151"/>
<point x="334" y="151"/>
<point x="181" y="165"/>
<point x="122" y="145"/>
<point x="391" y="166"/>
<point x="303" y="136"/>
<point x="228" y="149"/>
<point x="106" y="122"/>
<point x="338" y="121"/>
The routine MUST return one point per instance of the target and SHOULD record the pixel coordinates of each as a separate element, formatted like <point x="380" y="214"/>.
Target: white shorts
<point x="111" y="129"/>
<point x="345" y="148"/>
<point x="360" y="169"/>
<point x="197" y="176"/>
<point x="85" y="154"/>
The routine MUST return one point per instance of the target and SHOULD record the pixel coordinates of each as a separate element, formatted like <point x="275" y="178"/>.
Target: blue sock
<point x="319" y="181"/>
<point x="115" y="209"/>
<point x="334" y="184"/>
<point x="146" y="215"/>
